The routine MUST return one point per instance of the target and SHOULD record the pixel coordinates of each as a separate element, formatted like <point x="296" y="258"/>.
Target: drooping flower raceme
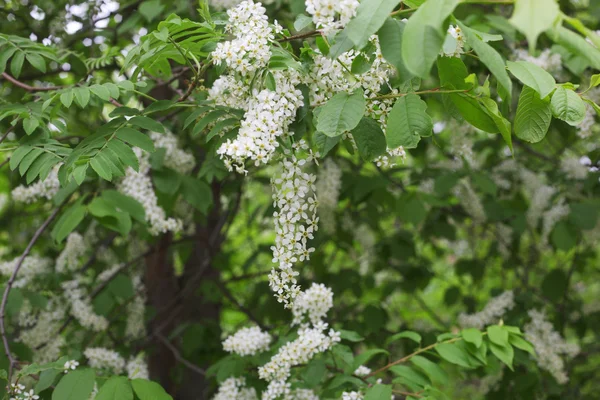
<point x="295" y="221"/>
<point x="329" y="15"/>
<point x="549" y="345"/>
<point x="329" y="182"/>
<point x="491" y="313"/>
<point x="42" y="189"/>
<point x="314" y="303"/>
<point x="235" y="388"/>
<point x="247" y="342"/>
<point x="102" y="358"/>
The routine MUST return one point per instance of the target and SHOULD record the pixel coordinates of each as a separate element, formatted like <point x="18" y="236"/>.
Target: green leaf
<point x="135" y="138"/>
<point x="414" y="336"/>
<point x="325" y="143"/>
<point x="424" y="35"/>
<point x="472" y="335"/>
<point x="503" y="353"/>
<point x="533" y="76"/>
<point x="125" y="153"/>
<point x="341" y="113"/>
<point x="116" y="388"/>
<point x="454" y="354"/>
<point x="82" y="96"/>
<point x="365" y="356"/>
<point x="432" y="370"/>
<point x="42" y="166"/>
<point x="76" y="385"/>
<point x="576" y="45"/>
<point x="379" y="392"/>
<point x="567" y="106"/>
<point x="30" y="124"/>
<point x="147" y="123"/>
<point x="492" y="60"/>
<point x="126" y="204"/>
<point x="413" y="376"/>
<point x="151" y="9"/>
<point x="148" y="390"/>
<point x="36" y="61"/>
<point x="16" y="64"/>
<point x="390" y="42"/>
<point x="521" y="343"/>
<point x="502" y="124"/>
<point x="533" y="116"/>
<point x="370" y="16"/>
<point x="369" y="139"/>
<point x="197" y="193"/>
<point x="302" y="21"/>
<point x="351" y="336"/>
<point x="101" y="91"/>
<point x="102" y="168"/>
<point x="498" y="335"/>
<point x="532" y="17"/>
<point x="18" y="156"/>
<point x="166" y="180"/>
<point x="5" y="55"/>
<point x="68" y="221"/>
<point x="206" y="120"/>
<point x="407" y="122"/>
<point x="47" y="379"/>
<point x="66" y="98"/>
<point x="29" y="159"/>
<point x="594" y="81"/>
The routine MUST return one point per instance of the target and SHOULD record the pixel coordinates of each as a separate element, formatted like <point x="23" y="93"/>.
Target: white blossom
<point x="42" y="189"/>
<point x="247" y="342"/>
<point x="102" y="358"/>
<point x="491" y="313"/>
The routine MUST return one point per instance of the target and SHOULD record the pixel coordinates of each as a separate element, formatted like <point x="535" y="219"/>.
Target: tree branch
<point x="27" y="87"/>
<point x="11" y="281"/>
<point x="178" y="355"/>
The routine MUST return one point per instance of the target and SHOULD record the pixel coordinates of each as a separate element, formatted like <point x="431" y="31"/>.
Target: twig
<point x="179" y="357"/>
<point x="8" y="131"/>
<point x="242" y="308"/>
<point x="27" y="87"/>
<point x="300" y="36"/>
<point x="11" y="281"/>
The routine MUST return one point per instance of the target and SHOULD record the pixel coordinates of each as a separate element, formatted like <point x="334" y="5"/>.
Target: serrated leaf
<point x="30" y="124"/>
<point x="503" y="353"/>
<point x="351" y="336"/>
<point x="521" y="343"/>
<point x="341" y="113"/>
<point x="414" y="336"/>
<point x="567" y="106"/>
<point x="148" y="390"/>
<point x="424" y="36"/>
<point x="390" y="41"/>
<point x="378" y="392"/>
<point x="102" y="168"/>
<point x="533" y="76"/>
<point x="16" y="64"/>
<point x="101" y="91"/>
<point x="126" y="204"/>
<point x="82" y="96"/>
<point x="135" y="138"/>
<point x="454" y="354"/>
<point x="532" y="17"/>
<point x="147" y="123"/>
<point x="432" y="370"/>
<point x="76" y="385"/>
<point x="116" y="388"/>
<point x="66" y="98"/>
<point x="29" y="159"/>
<point x="370" y="16"/>
<point x="407" y="122"/>
<point x="36" y="61"/>
<point x="498" y="335"/>
<point x="369" y="139"/>
<point x="472" y="335"/>
<point x="533" y="116"/>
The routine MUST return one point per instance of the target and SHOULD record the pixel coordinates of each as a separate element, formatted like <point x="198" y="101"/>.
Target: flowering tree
<point x="300" y="199"/>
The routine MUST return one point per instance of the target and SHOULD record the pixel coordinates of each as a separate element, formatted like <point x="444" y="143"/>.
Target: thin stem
<point x="27" y="87"/>
<point x="9" y="130"/>
<point x="11" y="281"/>
<point x="408" y="357"/>
<point x="430" y="91"/>
<point x="178" y="355"/>
<point x="300" y="36"/>
<point x="144" y="95"/>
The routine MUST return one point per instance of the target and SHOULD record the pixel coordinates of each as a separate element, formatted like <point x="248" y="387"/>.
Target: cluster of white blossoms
<point x="549" y="345"/>
<point x="547" y="60"/>
<point x="314" y="302"/>
<point x="138" y="185"/>
<point x="491" y="313"/>
<point x="247" y="342"/>
<point x="470" y="201"/>
<point x="352" y="396"/>
<point x="102" y="358"/>
<point x="235" y="388"/>
<point x="365" y="237"/>
<point x="250" y="49"/>
<point x="81" y="307"/>
<point x="40" y="332"/>
<point x="310" y="342"/>
<point x="70" y="365"/>
<point x="329" y="15"/>
<point x="137" y="368"/>
<point x="329" y="182"/>
<point x="18" y="392"/>
<point x="454" y="43"/>
<point x="74" y="249"/>
<point x="362" y="371"/>
<point x="573" y="168"/>
<point x="540" y="200"/>
<point x="175" y="158"/>
<point x="135" y="327"/>
<point x="31" y="267"/>
<point x="268" y="113"/>
<point x="549" y="219"/>
<point x="295" y="219"/>
<point x="45" y="189"/>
